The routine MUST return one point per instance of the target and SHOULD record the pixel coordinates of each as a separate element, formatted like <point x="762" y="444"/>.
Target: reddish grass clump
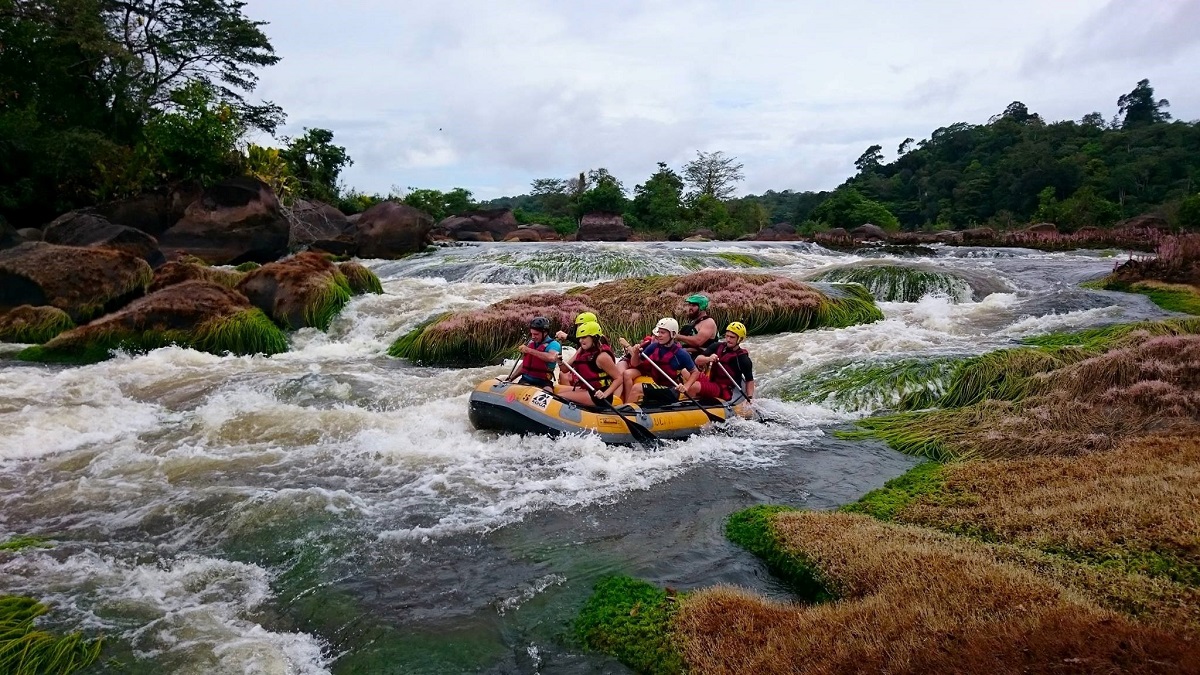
<point x="915" y="601"/>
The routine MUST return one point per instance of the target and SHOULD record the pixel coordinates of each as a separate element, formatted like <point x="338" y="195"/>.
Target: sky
<point x="490" y="95"/>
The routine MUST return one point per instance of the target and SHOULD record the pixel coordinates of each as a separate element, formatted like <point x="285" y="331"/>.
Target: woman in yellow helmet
<point x="729" y="367"/>
<point x="595" y="363"/>
<point x="564" y="376"/>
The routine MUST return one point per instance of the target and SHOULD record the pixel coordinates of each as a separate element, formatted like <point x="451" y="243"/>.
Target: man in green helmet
<point x="700" y="332"/>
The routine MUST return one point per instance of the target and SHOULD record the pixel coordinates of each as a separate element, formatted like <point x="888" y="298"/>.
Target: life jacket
<point x="726" y="357"/>
<point x="689" y="329"/>
<point x="645" y="343"/>
<point x="534" y="367"/>
<point x="585" y="364"/>
<point x="663" y="357"/>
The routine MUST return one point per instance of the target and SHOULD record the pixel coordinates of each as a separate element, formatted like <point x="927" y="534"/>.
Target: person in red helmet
<point x="538" y="356"/>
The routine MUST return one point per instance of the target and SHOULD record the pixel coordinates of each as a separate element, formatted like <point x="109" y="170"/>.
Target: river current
<point x="331" y="509"/>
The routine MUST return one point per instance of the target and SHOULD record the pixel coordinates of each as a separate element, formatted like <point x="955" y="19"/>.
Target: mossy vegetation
<point x="631" y="620"/>
<point x="630" y="308"/>
<point x="742" y="259"/>
<point x="326" y="301"/>
<point x="34" y="325"/>
<point x="248" y="266"/>
<point x="904" y="384"/>
<point x="752" y="530"/>
<point x="27" y="650"/>
<point x="900" y="283"/>
<point x="360" y="279"/>
<point x="21" y="542"/>
<point x="922" y="481"/>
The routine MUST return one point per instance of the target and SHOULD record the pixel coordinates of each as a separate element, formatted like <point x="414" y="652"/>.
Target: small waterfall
<point x="902" y="283"/>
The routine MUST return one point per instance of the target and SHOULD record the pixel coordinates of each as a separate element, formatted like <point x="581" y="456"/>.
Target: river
<point x="332" y="510"/>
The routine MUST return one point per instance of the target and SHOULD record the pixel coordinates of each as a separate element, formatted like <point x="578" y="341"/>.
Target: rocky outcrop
<point x="197" y="314"/>
<point x="33" y="325"/>
<point x="83" y="282"/>
<point x="29" y="234"/>
<point x="978" y="235"/>
<point x="545" y="232"/>
<point x="469" y="226"/>
<point x="603" y="227"/>
<point x="524" y="234"/>
<point x="869" y="232"/>
<point x="391" y="230"/>
<point x="235" y="221"/>
<point x="177" y="272"/>
<point x="834" y="237"/>
<point x="303" y="290"/>
<point x="154" y="212"/>
<point x="80" y="228"/>
<point x="1146" y="221"/>
<point x="777" y="232"/>
<point x="319" y="225"/>
<point x="1042" y="228"/>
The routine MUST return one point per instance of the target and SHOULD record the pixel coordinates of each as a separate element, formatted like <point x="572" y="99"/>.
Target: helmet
<point x="698" y="299"/>
<point x="540" y="323"/>
<point x="670" y="324"/>
<point x="589" y="329"/>
<point x="737" y="328"/>
<point x="585" y="317"/>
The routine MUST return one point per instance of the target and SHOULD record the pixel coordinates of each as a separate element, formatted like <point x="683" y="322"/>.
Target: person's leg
<point x="634" y="394"/>
<point x="577" y="395"/>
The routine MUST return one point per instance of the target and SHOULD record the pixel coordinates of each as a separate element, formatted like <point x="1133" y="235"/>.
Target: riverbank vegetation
<point x="630" y="307"/>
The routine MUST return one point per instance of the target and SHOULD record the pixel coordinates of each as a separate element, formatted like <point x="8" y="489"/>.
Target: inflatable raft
<point x="521" y="409"/>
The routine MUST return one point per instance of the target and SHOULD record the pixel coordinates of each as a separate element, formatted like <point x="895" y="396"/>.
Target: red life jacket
<point x="585" y="364"/>
<point x="535" y="367"/>
<point x="663" y="357"/>
<point x="726" y="357"/>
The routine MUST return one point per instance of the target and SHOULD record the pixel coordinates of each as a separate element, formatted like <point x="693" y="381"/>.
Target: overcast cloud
<point x="489" y="95"/>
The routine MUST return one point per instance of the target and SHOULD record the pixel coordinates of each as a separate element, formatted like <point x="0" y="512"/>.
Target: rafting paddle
<point x="704" y="410"/>
<point x="640" y="433"/>
<point x="761" y="417"/>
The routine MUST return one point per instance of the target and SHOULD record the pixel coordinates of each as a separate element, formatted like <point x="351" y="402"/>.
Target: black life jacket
<point x="689" y="329"/>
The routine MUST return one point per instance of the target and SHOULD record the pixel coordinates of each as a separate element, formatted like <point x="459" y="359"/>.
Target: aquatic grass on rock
<point x="630" y="619"/>
<point x="360" y="279"/>
<point x="21" y="542"/>
<point x="753" y="530"/>
<point x="33" y="325"/>
<point x="925" y="481"/>
<point x="630" y="308"/>
<point x="246" y="332"/>
<point x="326" y="301"/>
<point x="904" y="384"/>
<point x="901" y="283"/>
<point x="26" y="650"/>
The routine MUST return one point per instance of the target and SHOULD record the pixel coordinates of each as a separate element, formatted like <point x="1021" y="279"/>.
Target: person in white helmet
<point x="670" y="357"/>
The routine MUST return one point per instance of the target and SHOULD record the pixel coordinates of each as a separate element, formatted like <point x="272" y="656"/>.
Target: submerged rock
<point x="83" y="282"/>
<point x="198" y="314"/>
<point x="304" y="290"/>
<point x="235" y="221"/>
<point x="33" y="325"/>
<point x="391" y="230"/>
<point x="80" y="228"/>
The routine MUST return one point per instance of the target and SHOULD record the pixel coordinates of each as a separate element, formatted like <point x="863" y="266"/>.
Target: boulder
<point x="314" y="221"/>
<point x="603" y="227"/>
<point x="949" y="237"/>
<point x="81" y="228"/>
<point x="783" y="228"/>
<point x="499" y="223"/>
<point x="235" y="221"/>
<point x="1146" y="221"/>
<point x="1042" y="228"/>
<point x="978" y="235"/>
<point x="8" y="236"/>
<point x="303" y="290"/>
<point x="545" y="232"/>
<point x="154" y="212"/>
<point x="177" y="272"/>
<point x="391" y="230"/>
<point x="83" y="282"/>
<point x="704" y="232"/>
<point x="523" y="234"/>
<point x="696" y="238"/>
<point x="33" y="325"/>
<point x="869" y="232"/>
<point x="29" y="234"/>
<point x="834" y="237"/>
<point x="474" y="236"/>
<point x="197" y="314"/>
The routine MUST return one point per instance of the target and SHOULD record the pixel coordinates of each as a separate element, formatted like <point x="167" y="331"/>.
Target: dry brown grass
<point x="916" y="601"/>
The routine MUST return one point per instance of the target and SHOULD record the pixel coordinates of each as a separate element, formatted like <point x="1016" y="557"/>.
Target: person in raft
<point x="700" y="333"/>
<point x="670" y="357"/>
<point x="595" y="363"/>
<point x="564" y="375"/>
<point x="729" y="367"/>
<point x="539" y="356"/>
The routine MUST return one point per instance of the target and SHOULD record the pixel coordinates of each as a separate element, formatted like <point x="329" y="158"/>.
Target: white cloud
<point x="490" y="95"/>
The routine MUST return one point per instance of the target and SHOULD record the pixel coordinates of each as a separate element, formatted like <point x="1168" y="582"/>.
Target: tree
<point x="439" y="204"/>
<point x="870" y="159"/>
<point x="712" y="173"/>
<point x="1140" y="108"/>
<point x="658" y="203"/>
<point x="316" y="163"/>
<point x="597" y="177"/>
<point x="847" y="208"/>
<point x="551" y="196"/>
<point x="197" y="140"/>
<point x="605" y="197"/>
<point x="904" y="146"/>
<point x="1093" y="120"/>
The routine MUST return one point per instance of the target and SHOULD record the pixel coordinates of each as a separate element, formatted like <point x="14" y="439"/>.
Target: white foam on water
<point x="1067" y="321"/>
<point x="191" y="614"/>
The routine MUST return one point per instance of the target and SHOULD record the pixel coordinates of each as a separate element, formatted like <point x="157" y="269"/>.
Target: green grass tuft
<point x="25" y="650"/>
<point x="900" y="283"/>
<point x="752" y="529"/>
<point x="913" y="433"/>
<point x="905" y="384"/>
<point x="326" y="302"/>
<point x="360" y="279"/>
<point x="247" y="332"/>
<point x="923" y="480"/>
<point x="34" y="325"/>
<point x="1097" y="340"/>
<point x="631" y="620"/>
<point x="21" y="542"/>
<point x="248" y="266"/>
<point x="742" y="260"/>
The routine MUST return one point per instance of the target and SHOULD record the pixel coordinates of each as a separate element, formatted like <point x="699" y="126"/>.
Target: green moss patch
<point x="752" y="529"/>
<point x="326" y="302"/>
<point x="21" y="542"/>
<point x="926" y="480"/>
<point x="631" y="620"/>
<point x="26" y="650"/>
<point x="34" y="325"/>
<point x="630" y="307"/>
<point x="360" y="279"/>
<point x="249" y="266"/>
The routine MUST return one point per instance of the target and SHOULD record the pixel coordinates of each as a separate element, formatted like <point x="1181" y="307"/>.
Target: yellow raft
<point x="521" y="409"/>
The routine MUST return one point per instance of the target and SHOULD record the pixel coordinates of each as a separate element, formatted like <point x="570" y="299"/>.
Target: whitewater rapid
<point x="150" y="472"/>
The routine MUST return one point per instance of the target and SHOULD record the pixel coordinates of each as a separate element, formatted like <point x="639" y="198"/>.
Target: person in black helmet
<point x="539" y="356"/>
